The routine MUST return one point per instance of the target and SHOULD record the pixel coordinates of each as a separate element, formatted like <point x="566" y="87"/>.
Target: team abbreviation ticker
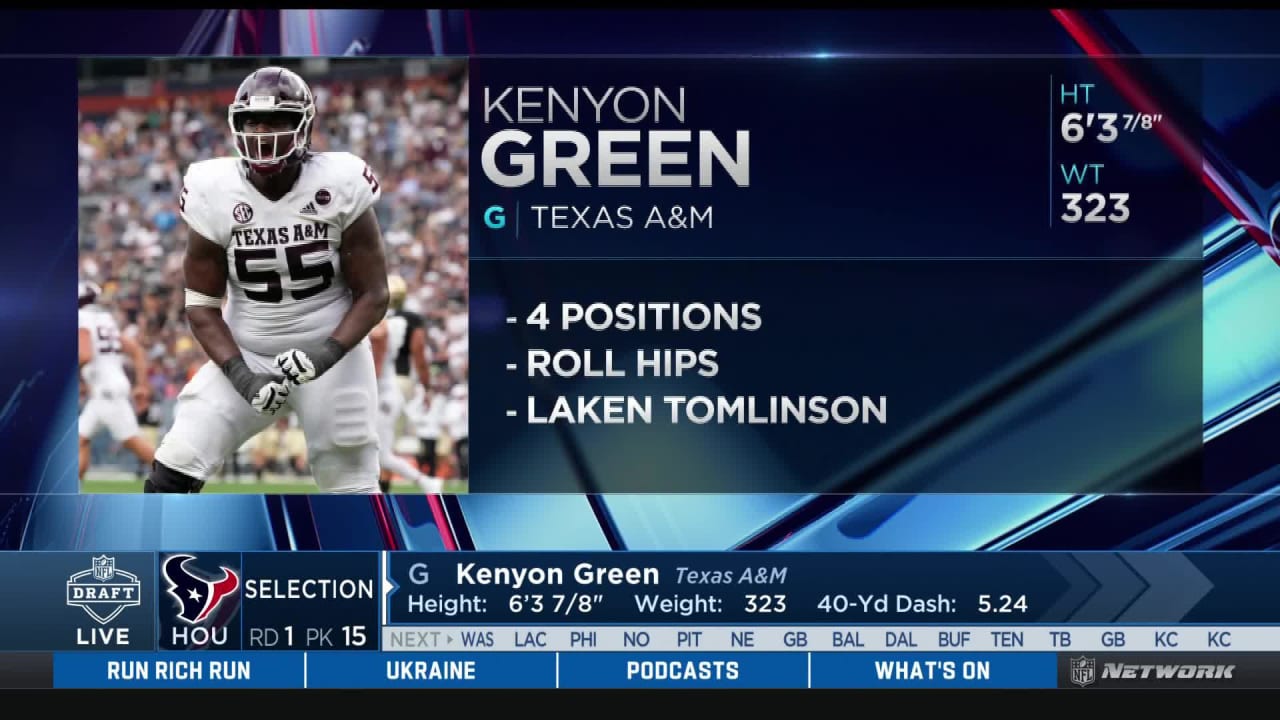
<point x="615" y="620"/>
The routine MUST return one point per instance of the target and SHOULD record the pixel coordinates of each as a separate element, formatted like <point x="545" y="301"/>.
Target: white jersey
<point x="105" y="372"/>
<point x="397" y="336"/>
<point x="455" y="412"/>
<point x="284" y="268"/>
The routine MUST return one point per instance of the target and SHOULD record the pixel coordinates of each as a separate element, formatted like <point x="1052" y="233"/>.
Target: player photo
<point x="273" y="275"/>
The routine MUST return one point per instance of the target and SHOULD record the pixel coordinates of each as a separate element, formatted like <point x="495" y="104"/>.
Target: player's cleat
<point x="430" y="485"/>
<point x="164" y="479"/>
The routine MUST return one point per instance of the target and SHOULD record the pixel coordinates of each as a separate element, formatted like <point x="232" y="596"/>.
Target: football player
<point x="410" y="332"/>
<point x="110" y="394"/>
<point x="389" y="339"/>
<point x="291" y="238"/>
<point x="413" y="371"/>
<point x="456" y="418"/>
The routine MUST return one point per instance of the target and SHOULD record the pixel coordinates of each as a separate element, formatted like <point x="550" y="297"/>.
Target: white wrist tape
<point x="195" y="299"/>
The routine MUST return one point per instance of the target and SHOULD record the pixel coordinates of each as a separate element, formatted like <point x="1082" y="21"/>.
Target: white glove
<point x="303" y="366"/>
<point x="271" y="397"/>
<point x="264" y="393"/>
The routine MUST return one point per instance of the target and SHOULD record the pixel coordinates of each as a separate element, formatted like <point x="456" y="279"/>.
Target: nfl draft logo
<point x="103" y="591"/>
<point x="1084" y="671"/>
<point x="104" y="568"/>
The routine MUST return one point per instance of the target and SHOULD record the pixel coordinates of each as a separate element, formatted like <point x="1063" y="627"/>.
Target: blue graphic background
<point x="818" y="588"/>
<point x="1240" y="110"/>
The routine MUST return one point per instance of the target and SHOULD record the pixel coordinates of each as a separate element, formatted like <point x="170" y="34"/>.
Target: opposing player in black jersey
<point x="399" y="346"/>
<point x="411" y="361"/>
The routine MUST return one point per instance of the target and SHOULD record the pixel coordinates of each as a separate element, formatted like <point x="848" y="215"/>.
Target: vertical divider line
<point x="1050" y="149"/>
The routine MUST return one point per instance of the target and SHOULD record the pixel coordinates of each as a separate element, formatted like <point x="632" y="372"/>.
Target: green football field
<point x="98" y="483"/>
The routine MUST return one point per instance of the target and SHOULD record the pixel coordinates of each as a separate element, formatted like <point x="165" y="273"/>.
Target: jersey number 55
<point x="271" y="282"/>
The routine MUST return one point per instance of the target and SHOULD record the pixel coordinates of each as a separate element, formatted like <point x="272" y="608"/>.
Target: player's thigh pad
<point x="91" y="418"/>
<point x="340" y="408"/>
<point x="211" y="421"/>
<point x="339" y="415"/>
<point x="120" y="419"/>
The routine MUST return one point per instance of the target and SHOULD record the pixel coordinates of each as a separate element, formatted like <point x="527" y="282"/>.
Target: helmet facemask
<point x="270" y="152"/>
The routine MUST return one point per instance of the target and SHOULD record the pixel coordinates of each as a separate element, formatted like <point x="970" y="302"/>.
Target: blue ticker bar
<point x="683" y="670"/>
<point x="479" y="670"/>
<point x="1008" y="671"/>
<point x="259" y="670"/>
<point x="605" y="670"/>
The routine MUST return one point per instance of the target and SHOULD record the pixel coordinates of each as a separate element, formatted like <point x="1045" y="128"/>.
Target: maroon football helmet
<point x="271" y="119"/>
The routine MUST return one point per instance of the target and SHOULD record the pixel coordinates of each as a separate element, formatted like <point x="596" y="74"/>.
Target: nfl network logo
<point x="1084" y="671"/>
<point x="103" y="591"/>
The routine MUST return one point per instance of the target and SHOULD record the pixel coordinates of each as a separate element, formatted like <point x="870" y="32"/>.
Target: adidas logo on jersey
<point x="309" y="209"/>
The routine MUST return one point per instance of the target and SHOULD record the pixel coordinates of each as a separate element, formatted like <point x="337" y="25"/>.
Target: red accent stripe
<point x="1179" y="142"/>
<point x="442" y="522"/>
<point x="250" y="22"/>
<point x="471" y="38"/>
<point x="384" y="522"/>
<point x="315" y="33"/>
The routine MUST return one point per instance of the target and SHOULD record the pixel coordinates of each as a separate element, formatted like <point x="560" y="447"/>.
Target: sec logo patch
<point x="242" y="213"/>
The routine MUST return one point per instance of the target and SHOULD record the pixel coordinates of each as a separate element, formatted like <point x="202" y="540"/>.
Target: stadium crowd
<point x="414" y="135"/>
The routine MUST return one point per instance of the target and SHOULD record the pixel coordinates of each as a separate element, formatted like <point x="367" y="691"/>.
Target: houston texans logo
<point x="197" y="596"/>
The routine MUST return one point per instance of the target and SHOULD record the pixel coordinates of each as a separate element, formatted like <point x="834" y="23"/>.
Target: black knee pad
<point x="167" y="480"/>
